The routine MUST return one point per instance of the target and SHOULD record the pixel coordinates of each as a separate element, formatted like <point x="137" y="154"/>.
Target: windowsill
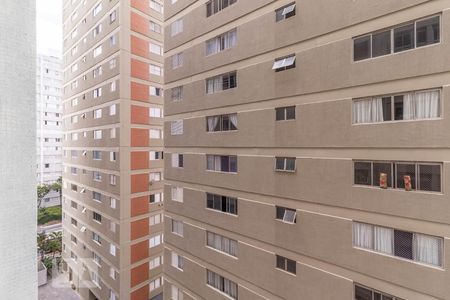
<point x="397" y="189"/>
<point x="221" y="91"/>
<point x="98" y="201"/>
<point x="177" y="234"/>
<point x="221" y="252"/>
<point x="222" y="172"/>
<point x="181" y="270"/>
<point x="439" y="268"/>
<point x="221" y="212"/>
<point x="398" y="121"/>
<point x="221" y="131"/>
<point x="286" y="171"/>
<point x="396" y="53"/>
<point x="97" y="242"/>
<point x="97" y="222"/>
<point x="287" y="223"/>
<point x="282" y="121"/>
<point x="286" y="272"/>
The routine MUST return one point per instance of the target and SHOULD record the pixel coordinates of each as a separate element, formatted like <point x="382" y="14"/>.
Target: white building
<point x="49" y="121"/>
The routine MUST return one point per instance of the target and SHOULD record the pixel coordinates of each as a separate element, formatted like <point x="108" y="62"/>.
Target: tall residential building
<point x="18" y="261"/>
<point x="49" y="83"/>
<point x="112" y="149"/>
<point x="307" y="149"/>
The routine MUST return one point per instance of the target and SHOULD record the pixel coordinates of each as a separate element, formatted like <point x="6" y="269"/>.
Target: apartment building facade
<point x="307" y="149"/>
<point x="49" y="83"/>
<point x="112" y="148"/>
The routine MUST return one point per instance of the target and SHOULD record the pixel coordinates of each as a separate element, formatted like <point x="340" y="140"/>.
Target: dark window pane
<point x="232" y="206"/>
<point x="361" y="48"/>
<point x="280" y="213"/>
<point x="233" y="80"/>
<point x="180" y="161"/>
<point x="224" y="203"/>
<point x="224" y="164"/>
<point x="281" y="262"/>
<point x="376" y="296"/>
<point x="280" y="113"/>
<point x="279" y="163"/>
<point x="379" y="168"/>
<point x="290" y="164"/>
<point x="290" y="113"/>
<point x="217" y="202"/>
<point x="404" y="38"/>
<point x="387" y="108"/>
<point x="403" y="244"/>
<point x="430" y="178"/>
<point x="386" y="297"/>
<point x="405" y="170"/>
<point x="225" y="123"/>
<point x="428" y="32"/>
<point x="208" y="9"/>
<point x="381" y="43"/>
<point x="152" y="198"/>
<point x="398" y="107"/>
<point x="225" y="82"/>
<point x="233" y="164"/>
<point x="209" y="201"/>
<point x="362" y="293"/>
<point x="363" y="173"/>
<point x="291" y="266"/>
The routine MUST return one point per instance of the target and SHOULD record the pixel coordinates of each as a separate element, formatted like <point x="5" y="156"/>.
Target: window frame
<point x="285" y="163"/>
<point x="288" y="15"/>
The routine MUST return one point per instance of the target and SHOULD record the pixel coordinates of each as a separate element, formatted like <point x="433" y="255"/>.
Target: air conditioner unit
<point x="83" y="229"/>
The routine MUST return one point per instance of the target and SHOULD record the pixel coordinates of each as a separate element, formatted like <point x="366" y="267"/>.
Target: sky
<point x="49" y="26"/>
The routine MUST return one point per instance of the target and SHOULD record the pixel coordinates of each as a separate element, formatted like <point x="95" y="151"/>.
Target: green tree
<point x="57" y="187"/>
<point x="42" y="190"/>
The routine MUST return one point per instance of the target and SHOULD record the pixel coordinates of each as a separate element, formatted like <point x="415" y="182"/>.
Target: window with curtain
<point x="176" y="127"/>
<point x="222" y="203"/>
<point x="222" y="284"/>
<point x="221" y="163"/>
<point x="221" y="83"/>
<point x="221" y="42"/>
<point x="222" y="123"/>
<point x="222" y="243"/>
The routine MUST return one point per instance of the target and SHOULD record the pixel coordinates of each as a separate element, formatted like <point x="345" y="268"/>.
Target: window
<point x="97" y="29"/>
<point x="155" y="176"/>
<point x="112" y="110"/>
<point x="112" y="17"/>
<point x="112" y="249"/>
<point x="285" y="164"/>
<point x="97" y="9"/>
<point x="364" y="293"/>
<point x="74" y="187"/>
<point x="95" y="279"/>
<point x="73" y="239"/>
<point x="155" y="27"/>
<point x="97" y="259"/>
<point x="177" y="60"/>
<point x="285" y="113"/>
<point x="214" y="6"/>
<point x="156" y="6"/>
<point x="156" y="155"/>
<point x="155" y="198"/>
<point x="97" y="92"/>
<point x="400" y="175"/>
<point x="156" y="262"/>
<point x="221" y="243"/>
<point x="176" y="27"/>
<point x="154" y="220"/>
<point x="221" y="42"/>
<point x="156" y="91"/>
<point x="422" y="248"/>
<point x="177" y="194"/>
<point x="221" y="163"/>
<point x="221" y="83"/>
<point x="177" y="227"/>
<point x="177" y="261"/>
<point x="177" y="160"/>
<point x="112" y="63"/>
<point x="405" y="37"/>
<point x="417" y="105"/>
<point x="75" y="136"/>
<point x="74" y="68"/>
<point x="286" y="264"/>
<point x="112" y="203"/>
<point x="73" y="256"/>
<point x="74" y="222"/>
<point x="97" y="196"/>
<point x="155" y="241"/>
<point x="222" y="284"/>
<point x="155" y="284"/>
<point x="97" y="176"/>
<point x="74" y="102"/>
<point x="155" y="70"/>
<point x="156" y="49"/>
<point x="285" y="12"/>
<point x="74" y="119"/>
<point x="287" y="215"/>
<point x="112" y="179"/>
<point x="177" y="93"/>
<point x="112" y="133"/>
<point x="97" y="51"/>
<point x="96" y="155"/>
<point x="112" y="40"/>
<point x="97" y="134"/>
<point x="96" y="238"/>
<point x="284" y="63"/>
<point x="112" y="156"/>
<point x="156" y="112"/>
<point x="73" y="204"/>
<point x="176" y="127"/>
<point x="222" y="203"/>
<point x="98" y="113"/>
<point x="113" y="86"/>
<point x="221" y="123"/>
<point x="112" y="273"/>
<point x="176" y="293"/>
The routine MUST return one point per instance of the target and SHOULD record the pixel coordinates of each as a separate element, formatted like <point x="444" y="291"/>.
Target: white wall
<point x="18" y="262"/>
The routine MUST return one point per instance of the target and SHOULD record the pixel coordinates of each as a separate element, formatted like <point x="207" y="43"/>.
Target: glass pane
<point x="378" y="169"/>
<point x="398" y="107"/>
<point x="381" y="43"/>
<point x="376" y="296"/>
<point x="290" y="164"/>
<point x="403" y="170"/>
<point x="217" y="202"/>
<point x="290" y="113"/>
<point x="362" y="293"/>
<point x="224" y="164"/>
<point x="209" y="201"/>
<point x="280" y="212"/>
<point x="428" y="32"/>
<point x="387" y="109"/>
<point x="233" y="164"/>
<point x="225" y="123"/>
<point x="233" y="81"/>
<point x="386" y="297"/>
<point x="291" y="266"/>
<point x="430" y="178"/>
<point x="281" y="262"/>
<point x="279" y="114"/>
<point x="361" y="48"/>
<point x="363" y="173"/>
<point x="279" y="163"/>
<point x="403" y="244"/>
<point x="404" y="38"/>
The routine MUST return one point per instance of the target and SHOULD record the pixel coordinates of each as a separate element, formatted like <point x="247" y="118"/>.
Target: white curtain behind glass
<point x="383" y="238"/>
<point x="363" y="235"/>
<point x="368" y="110"/>
<point x="408" y="107"/>
<point x="234" y="120"/>
<point x="427" y="249"/>
<point x="427" y="105"/>
<point x="212" y="123"/>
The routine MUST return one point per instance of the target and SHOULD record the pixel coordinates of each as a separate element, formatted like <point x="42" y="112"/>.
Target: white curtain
<point x="427" y="249"/>
<point x="218" y="242"/>
<point x="226" y="245"/>
<point x="210" y="86"/>
<point x="233" y="247"/>
<point x="217" y="163"/>
<point x="218" y="83"/>
<point x="363" y="235"/>
<point x="368" y="111"/>
<point x="210" y="239"/>
<point x="230" y="39"/>
<point x="408" y="107"/>
<point x="427" y="105"/>
<point x="383" y="239"/>
<point x="213" y="46"/>
<point x="234" y="120"/>
<point x="175" y="160"/>
<point x="212" y="123"/>
<point x="210" y="162"/>
<point x="176" y="127"/>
